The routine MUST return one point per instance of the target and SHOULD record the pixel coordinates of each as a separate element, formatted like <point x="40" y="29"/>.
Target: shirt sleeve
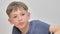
<point x="40" y="24"/>
<point x="43" y="24"/>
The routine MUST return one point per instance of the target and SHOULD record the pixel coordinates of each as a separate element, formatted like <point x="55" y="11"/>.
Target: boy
<point x="18" y="15"/>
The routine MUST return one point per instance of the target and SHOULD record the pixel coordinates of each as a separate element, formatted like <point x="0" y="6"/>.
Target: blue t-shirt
<point x="36" y="27"/>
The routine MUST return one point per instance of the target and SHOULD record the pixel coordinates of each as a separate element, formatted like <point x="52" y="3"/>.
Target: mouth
<point x="21" y="23"/>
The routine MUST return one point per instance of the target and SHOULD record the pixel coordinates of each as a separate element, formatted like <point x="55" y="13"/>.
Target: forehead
<point x="18" y="11"/>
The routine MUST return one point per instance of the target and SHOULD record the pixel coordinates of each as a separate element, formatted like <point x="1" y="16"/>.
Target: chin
<point x="21" y="27"/>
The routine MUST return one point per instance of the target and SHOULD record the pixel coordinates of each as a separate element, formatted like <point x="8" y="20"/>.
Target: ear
<point x="29" y="15"/>
<point x="10" y="21"/>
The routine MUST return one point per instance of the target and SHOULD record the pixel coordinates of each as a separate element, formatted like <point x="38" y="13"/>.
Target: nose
<point x="19" y="18"/>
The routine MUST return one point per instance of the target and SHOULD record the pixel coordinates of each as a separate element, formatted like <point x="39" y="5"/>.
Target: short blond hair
<point x="14" y="6"/>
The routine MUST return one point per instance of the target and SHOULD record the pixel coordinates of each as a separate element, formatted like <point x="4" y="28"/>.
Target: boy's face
<point x="19" y="18"/>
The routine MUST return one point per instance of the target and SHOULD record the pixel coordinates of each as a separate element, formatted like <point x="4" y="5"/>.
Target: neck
<point x="25" y="29"/>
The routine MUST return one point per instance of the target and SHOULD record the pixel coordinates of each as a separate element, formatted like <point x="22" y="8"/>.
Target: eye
<point x="22" y="14"/>
<point x="14" y="16"/>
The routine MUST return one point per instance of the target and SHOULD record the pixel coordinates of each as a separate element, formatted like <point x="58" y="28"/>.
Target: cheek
<point x="26" y="17"/>
<point x="14" y="21"/>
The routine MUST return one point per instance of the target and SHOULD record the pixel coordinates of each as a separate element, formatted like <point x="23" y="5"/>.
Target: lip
<point x="21" y="23"/>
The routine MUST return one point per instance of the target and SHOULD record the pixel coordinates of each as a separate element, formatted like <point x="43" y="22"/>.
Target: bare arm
<point x="54" y="29"/>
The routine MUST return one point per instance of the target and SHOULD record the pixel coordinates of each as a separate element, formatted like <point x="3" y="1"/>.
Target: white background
<point x="45" y="10"/>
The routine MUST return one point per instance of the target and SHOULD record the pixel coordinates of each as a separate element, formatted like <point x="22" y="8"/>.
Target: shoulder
<point x="35" y="22"/>
<point x="39" y="23"/>
<point x="39" y="26"/>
